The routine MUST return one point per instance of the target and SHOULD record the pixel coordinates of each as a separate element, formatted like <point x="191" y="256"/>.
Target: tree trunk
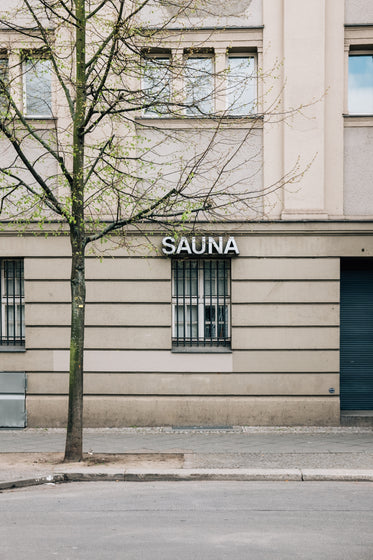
<point x="74" y="437"/>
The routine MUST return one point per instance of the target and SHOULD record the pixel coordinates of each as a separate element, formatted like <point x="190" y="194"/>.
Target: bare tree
<point x="102" y="129"/>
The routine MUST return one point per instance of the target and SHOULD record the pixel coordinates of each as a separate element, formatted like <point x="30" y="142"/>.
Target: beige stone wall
<point x="284" y="337"/>
<point x="285" y="283"/>
<point x="285" y="332"/>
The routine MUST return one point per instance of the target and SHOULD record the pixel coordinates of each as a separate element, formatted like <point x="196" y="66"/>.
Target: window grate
<point x="12" y="310"/>
<point x="201" y="302"/>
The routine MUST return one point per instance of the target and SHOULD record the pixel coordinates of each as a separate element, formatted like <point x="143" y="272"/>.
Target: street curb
<point x="226" y="475"/>
<point x="25" y="482"/>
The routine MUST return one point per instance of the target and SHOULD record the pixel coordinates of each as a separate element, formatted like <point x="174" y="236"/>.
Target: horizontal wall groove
<point x="104" y="349"/>
<point x="213" y="373"/>
<point x="99" y="302"/>
<point x="98" y="259"/>
<point x="124" y="327"/>
<point x="284" y="302"/>
<point x="276" y="279"/>
<point x="284" y="326"/>
<point x="147" y="349"/>
<point x="189" y="395"/>
<point x="107" y="280"/>
<point x="318" y="349"/>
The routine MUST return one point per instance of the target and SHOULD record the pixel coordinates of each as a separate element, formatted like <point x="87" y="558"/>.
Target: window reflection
<point x="360" y="84"/>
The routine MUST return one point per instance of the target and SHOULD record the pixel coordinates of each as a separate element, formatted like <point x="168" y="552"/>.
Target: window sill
<point x="4" y="348"/>
<point x="203" y="122"/>
<point x="358" y="120"/>
<point x="201" y="350"/>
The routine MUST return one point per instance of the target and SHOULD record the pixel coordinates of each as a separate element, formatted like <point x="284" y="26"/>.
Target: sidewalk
<point x="34" y="456"/>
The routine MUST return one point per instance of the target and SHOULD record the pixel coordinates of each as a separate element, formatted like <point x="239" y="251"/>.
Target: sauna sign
<point x="200" y="246"/>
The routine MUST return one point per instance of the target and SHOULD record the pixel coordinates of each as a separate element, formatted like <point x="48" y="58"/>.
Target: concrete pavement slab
<point x="163" y="453"/>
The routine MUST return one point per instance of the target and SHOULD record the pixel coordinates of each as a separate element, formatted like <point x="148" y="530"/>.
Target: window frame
<point x="146" y="60"/>
<point x="355" y="53"/>
<point x="209" y="98"/>
<point x="36" y="57"/>
<point x="358" y="39"/>
<point x="254" y="103"/>
<point x="219" y="47"/>
<point x="201" y="300"/>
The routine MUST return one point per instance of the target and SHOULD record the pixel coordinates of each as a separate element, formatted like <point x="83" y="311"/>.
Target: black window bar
<point x="201" y="302"/>
<point x="12" y="316"/>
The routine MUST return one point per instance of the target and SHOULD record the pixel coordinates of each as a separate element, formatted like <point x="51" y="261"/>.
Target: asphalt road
<point x="188" y="521"/>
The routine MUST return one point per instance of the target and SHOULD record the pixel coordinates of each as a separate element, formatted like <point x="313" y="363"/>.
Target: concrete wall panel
<point x="145" y="361"/>
<point x="192" y="411"/>
<point x="109" y="268"/>
<point x="306" y="246"/>
<point x="286" y="361"/>
<point x="276" y="292"/>
<point x="101" y="337"/>
<point x="126" y="291"/>
<point x="17" y="246"/>
<point x="48" y="292"/>
<point x="118" y="314"/>
<point x="285" y="315"/>
<point x="358" y="171"/>
<point x="130" y="291"/>
<point x="57" y="314"/>
<point x="285" y="269"/>
<point x="166" y="361"/>
<point x="188" y="384"/>
<point x="287" y="338"/>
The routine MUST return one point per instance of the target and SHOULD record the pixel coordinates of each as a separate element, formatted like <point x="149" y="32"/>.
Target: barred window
<point x="201" y="302"/>
<point x="12" y="324"/>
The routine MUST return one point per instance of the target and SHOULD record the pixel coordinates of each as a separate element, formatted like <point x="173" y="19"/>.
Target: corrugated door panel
<point x="356" y="335"/>
<point x="12" y="399"/>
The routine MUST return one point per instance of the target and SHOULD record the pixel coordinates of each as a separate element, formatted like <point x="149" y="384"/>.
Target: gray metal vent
<point x="12" y="399"/>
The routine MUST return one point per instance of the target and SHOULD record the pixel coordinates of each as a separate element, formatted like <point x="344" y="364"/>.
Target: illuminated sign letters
<point x="200" y="246"/>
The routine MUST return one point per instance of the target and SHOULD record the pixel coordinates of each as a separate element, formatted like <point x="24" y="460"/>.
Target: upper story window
<point x="156" y="86"/>
<point x="12" y="310"/>
<point x="199" y="85"/>
<point x="201" y="302"/>
<point x="360" y="84"/>
<point x="242" y="85"/>
<point x="37" y="87"/>
<point x="192" y="86"/>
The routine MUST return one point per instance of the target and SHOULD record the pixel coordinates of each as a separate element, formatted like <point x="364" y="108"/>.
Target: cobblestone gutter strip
<point x="306" y="475"/>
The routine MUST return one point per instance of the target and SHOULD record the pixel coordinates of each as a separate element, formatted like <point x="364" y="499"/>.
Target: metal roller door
<point x="356" y="343"/>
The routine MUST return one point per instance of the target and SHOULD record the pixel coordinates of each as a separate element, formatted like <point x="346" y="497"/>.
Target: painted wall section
<point x="304" y="75"/>
<point x="358" y="168"/>
<point x="204" y="13"/>
<point x="359" y="11"/>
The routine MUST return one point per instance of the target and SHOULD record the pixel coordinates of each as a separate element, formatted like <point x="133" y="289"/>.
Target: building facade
<point x="264" y="321"/>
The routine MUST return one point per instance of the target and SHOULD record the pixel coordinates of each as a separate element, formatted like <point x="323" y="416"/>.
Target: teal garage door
<point x="356" y="343"/>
